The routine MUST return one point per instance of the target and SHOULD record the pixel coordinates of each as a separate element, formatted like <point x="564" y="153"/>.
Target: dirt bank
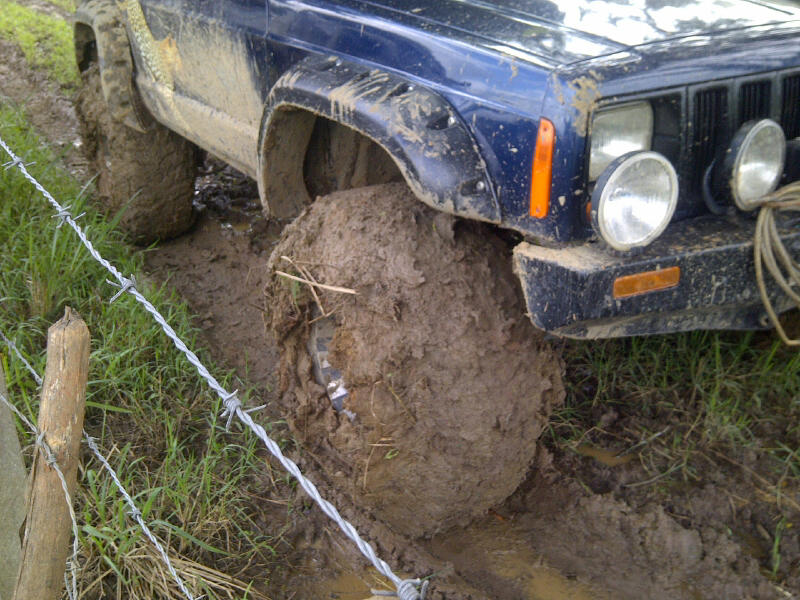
<point x="47" y="107"/>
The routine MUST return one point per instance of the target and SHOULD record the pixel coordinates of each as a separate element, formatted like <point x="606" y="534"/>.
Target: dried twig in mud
<point x="394" y="394"/>
<point x="310" y="281"/>
<point x="307" y="274"/>
<point x="330" y="288"/>
<point x="640" y="446"/>
<point x="670" y="470"/>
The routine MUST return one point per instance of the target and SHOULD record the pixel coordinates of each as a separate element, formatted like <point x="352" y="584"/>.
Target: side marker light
<point x="542" y="170"/>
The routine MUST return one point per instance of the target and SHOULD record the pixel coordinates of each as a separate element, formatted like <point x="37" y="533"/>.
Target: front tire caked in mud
<point x="449" y="385"/>
<point x="148" y="176"/>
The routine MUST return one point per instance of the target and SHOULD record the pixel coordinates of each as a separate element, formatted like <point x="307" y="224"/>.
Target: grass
<point x="45" y="40"/>
<point x="159" y="425"/>
<point x="691" y="410"/>
<point x="712" y="395"/>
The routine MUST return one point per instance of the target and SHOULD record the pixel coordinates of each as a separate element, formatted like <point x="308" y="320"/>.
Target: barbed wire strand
<point x="136" y="515"/>
<point x="407" y="589"/>
<point x="50" y="459"/>
<point x="134" y="512"/>
<point x="12" y="346"/>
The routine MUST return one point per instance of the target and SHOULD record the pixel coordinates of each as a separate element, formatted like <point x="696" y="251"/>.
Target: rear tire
<point x="148" y="177"/>
<point x="448" y="385"/>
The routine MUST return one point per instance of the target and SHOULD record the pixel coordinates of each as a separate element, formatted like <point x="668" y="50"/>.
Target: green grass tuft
<point x="45" y="40"/>
<point x="715" y="392"/>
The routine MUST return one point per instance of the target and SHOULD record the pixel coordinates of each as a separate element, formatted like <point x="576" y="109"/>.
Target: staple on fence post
<point x="45" y="543"/>
<point x="12" y="501"/>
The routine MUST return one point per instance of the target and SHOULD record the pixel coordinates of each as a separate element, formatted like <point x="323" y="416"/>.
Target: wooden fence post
<point x="48" y="526"/>
<point x="12" y="500"/>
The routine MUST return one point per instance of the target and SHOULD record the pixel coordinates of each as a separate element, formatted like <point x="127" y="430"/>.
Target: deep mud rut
<point x="555" y="538"/>
<point x="572" y="530"/>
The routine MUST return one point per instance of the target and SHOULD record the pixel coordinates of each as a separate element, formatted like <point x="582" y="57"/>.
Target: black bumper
<point x="570" y="291"/>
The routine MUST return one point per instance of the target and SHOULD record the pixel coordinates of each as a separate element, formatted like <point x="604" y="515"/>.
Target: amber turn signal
<point x="542" y="170"/>
<point x="649" y="281"/>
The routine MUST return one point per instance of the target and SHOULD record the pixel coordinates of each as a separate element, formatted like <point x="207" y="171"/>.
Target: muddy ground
<point x="584" y="522"/>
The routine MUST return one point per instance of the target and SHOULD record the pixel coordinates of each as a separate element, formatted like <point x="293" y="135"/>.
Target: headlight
<point x="753" y="164"/>
<point x="634" y="199"/>
<point x="617" y="131"/>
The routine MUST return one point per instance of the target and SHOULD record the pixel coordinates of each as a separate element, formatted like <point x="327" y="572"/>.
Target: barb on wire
<point x="16" y="162"/>
<point x="409" y="589"/>
<point x="50" y="459"/>
<point x="127" y="284"/>
<point x="62" y="215"/>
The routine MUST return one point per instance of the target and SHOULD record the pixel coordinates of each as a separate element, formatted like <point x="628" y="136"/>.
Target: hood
<point x="567" y="32"/>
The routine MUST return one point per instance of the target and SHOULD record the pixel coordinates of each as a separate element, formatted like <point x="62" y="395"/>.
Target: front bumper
<point x="570" y="291"/>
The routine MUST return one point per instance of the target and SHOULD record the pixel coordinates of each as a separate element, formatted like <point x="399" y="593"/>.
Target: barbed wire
<point x="25" y="362"/>
<point x="137" y="516"/>
<point x="406" y="589"/>
<point x="50" y="459"/>
<point x="134" y="512"/>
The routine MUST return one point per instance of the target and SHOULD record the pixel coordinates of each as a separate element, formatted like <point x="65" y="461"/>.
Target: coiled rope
<point x="769" y="251"/>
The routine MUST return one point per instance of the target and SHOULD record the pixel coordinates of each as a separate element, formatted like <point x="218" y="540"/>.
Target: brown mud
<point x="449" y="384"/>
<point x="219" y="268"/>
<point x="582" y="524"/>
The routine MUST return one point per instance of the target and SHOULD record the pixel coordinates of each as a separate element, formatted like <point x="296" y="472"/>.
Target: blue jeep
<point x="625" y="144"/>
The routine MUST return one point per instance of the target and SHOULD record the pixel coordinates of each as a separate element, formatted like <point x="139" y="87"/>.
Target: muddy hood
<point x="566" y="32"/>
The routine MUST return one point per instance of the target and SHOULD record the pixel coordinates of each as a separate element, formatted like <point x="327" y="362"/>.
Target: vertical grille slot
<point x="710" y="127"/>
<point x="790" y="111"/>
<point x="754" y="101"/>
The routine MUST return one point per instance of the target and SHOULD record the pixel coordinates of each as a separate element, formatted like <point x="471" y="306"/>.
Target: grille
<point x="754" y="101"/>
<point x="710" y="128"/>
<point x="714" y="121"/>
<point x="790" y="112"/>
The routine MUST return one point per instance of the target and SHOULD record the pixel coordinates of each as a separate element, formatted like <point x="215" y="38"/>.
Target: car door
<point x="206" y="71"/>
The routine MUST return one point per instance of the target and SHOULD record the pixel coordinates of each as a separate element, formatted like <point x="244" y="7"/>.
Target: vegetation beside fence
<point x="148" y="411"/>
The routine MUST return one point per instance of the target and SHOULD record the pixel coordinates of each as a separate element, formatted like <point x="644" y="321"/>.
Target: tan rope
<point x="769" y="251"/>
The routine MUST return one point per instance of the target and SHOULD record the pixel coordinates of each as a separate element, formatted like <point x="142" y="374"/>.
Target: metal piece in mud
<point x="324" y="373"/>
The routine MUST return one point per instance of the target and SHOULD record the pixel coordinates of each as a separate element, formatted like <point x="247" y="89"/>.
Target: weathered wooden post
<point x="12" y="500"/>
<point x="45" y="543"/>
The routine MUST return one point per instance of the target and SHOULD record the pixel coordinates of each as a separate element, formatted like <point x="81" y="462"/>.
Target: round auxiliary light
<point x="634" y="199"/>
<point x="753" y="164"/>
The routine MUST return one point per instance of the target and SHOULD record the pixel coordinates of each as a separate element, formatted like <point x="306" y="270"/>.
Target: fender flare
<point x="434" y="150"/>
<point x="107" y="23"/>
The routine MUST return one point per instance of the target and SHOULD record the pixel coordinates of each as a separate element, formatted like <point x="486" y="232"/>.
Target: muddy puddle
<point x="521" y="571"/>
<point x="503" y="560"/>
<point x="609" y="458"/>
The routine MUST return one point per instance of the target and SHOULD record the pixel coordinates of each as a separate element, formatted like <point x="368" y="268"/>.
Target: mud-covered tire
<point x="449" y="385"/>
<point x="148" y="176"/>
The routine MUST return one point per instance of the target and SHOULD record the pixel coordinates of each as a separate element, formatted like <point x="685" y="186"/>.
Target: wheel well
<point x="306" y="155"/>
<point x="85" y="46"/>
<point x="340" y="158"/>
